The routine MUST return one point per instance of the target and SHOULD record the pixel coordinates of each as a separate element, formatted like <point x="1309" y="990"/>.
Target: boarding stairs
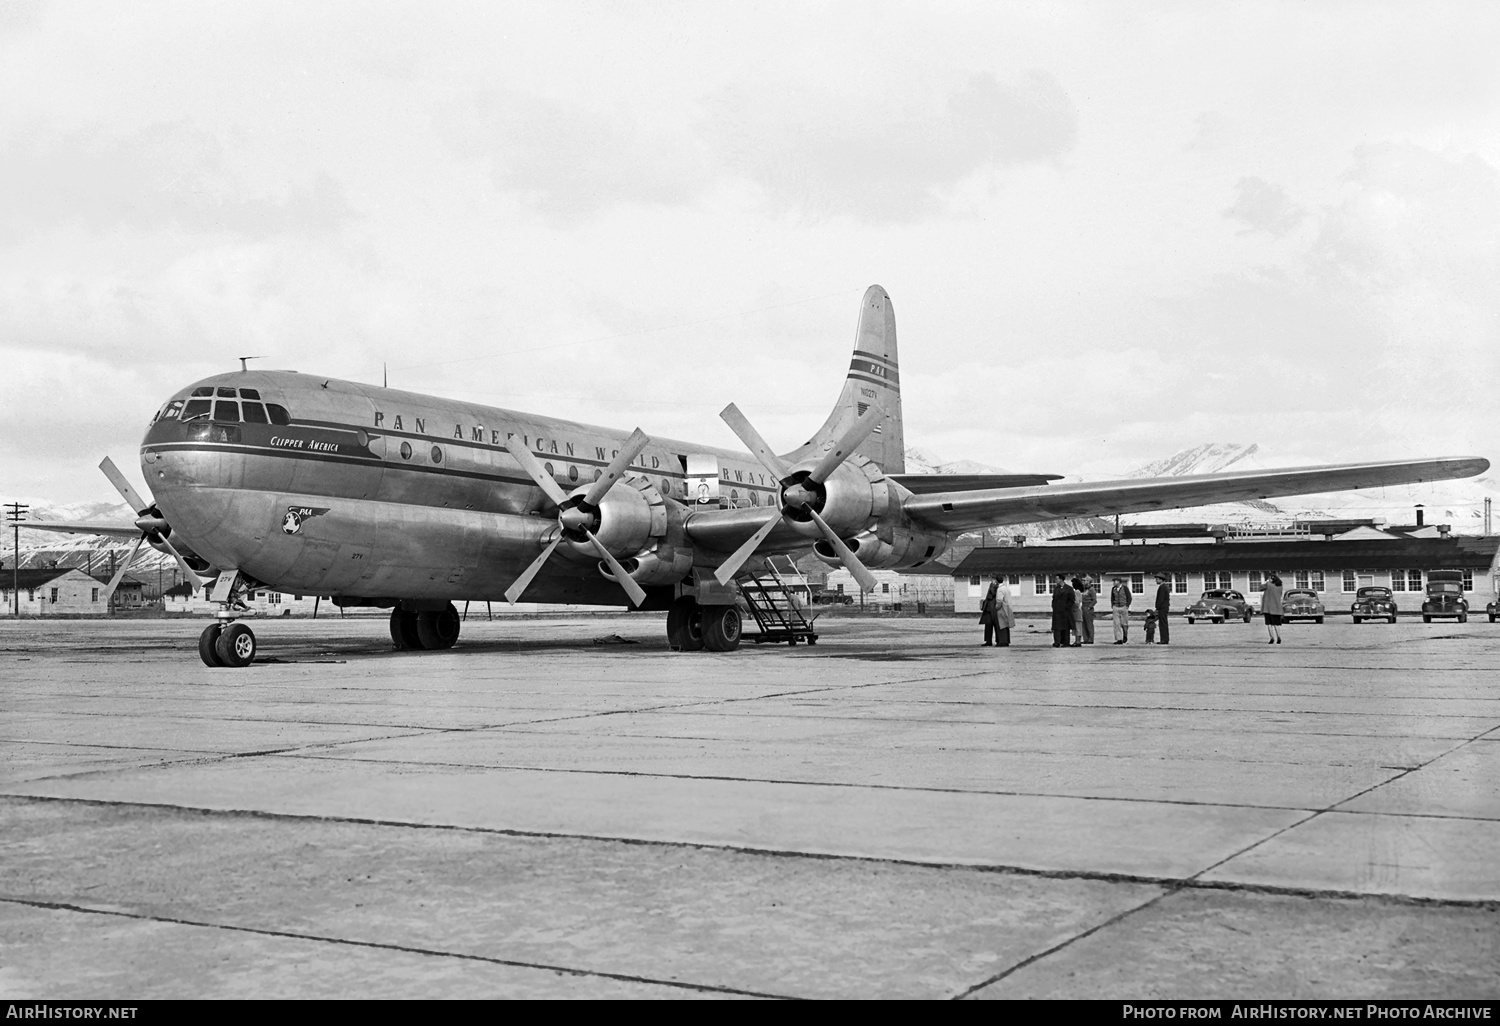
<point x="773" y="601"/>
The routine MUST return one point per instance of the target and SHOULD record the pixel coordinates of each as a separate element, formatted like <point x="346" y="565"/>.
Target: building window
<point x="54" y="596"/>
<point x="94" y="597"/>
<point x="275" y="598"/>
<point x="1179" y="584"/>
<point x="1213" y="579"/>
<point x="1468" y="580"/>
<point x="1015" y="579"/>
<point x="1138" y="584"/>
<point x="1350" y="584"/>
<point x="974" y="582"/>
<point x="1406" y="580"/>
<point x="1256" y="583"/>
<point x="1319" y="584"/>
<point x="885" y="589"/>
<point x="840" y="588"/>
<point x="1043" y="584"/>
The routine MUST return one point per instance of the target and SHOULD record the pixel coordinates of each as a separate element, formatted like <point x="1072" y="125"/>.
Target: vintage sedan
<point x="1301" y="604"/>
<point x="1219" y="605"/>
<point x="1445" y="597"/>
<point x="1374" y="604"/>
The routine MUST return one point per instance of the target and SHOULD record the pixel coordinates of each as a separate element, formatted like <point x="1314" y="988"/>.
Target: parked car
<point x="832" y="598"/>
<point x="1373" y="604"/>
<point x="1219" y="605"/>
<point x="1445" y="597"/>
<point x="1301" y="604"/>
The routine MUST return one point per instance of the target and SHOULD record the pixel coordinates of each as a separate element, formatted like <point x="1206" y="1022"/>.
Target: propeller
<point x="578" y="514"/>
<point x="801" y="493"/>
<point x="152" y="525"/>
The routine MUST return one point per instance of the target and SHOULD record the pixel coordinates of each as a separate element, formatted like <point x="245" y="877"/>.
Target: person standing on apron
<point x="1087" y="598"/>
<point x="1163" y="605"/>
<point x="1119" y="610"/>
<point x="1270" y="608"/>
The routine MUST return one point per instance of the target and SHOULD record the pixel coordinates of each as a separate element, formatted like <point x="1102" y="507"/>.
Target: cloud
<point x="1261" y="206"/>
<point x="168" y="174"/>
<point x="879" y="157"/>
<point x="808" y="149"/>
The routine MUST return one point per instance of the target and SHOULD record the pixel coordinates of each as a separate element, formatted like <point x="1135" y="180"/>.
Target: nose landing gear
<point x="226" y="642"/>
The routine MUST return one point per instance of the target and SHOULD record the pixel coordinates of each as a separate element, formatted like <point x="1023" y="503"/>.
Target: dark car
<point x="1219" y="605"/>
<point x="1445" y="597"/>
<point x="1373" y="604"/>
<point x="1301" y="604"/>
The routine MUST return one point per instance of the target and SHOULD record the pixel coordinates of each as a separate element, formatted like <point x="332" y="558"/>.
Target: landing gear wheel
<point x="404" y="629"/>
<point x="685" y="625"/>
<point x="439" y="629"/>
<point x="208" y="643"/>
<point x="722" y="628"/>
<point x="236" y="645"/>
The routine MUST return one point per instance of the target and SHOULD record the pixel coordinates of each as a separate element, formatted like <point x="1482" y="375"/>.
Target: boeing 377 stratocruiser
<point x="378" y="497"/>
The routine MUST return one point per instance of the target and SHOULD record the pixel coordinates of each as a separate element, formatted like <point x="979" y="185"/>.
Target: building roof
<point x="34" y="578"/>
<point x="1389" y="554"/>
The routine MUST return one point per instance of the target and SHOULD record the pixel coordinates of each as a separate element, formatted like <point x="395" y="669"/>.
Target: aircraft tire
<point x="685" y="625"/>
<point x="438" y="630"/>
<point x="404" y="630"/>
<point x="722" y="628"/>
<point x="208" y="642"/>
<point x="236" y="645"/>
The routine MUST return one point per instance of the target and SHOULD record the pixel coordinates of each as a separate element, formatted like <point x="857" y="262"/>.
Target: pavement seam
<point x="383" y="946"/>
<point x="1173" y="883"/>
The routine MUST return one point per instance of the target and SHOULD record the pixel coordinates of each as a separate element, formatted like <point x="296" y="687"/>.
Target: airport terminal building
<point x="1334" y="559"/>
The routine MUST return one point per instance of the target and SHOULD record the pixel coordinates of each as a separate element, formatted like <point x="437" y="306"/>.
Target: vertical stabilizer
<point x="873" y="384"/>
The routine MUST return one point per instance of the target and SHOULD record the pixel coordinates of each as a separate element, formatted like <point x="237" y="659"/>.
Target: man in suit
<point x="1062" y="612"/>
<point x="1163" y="604"/>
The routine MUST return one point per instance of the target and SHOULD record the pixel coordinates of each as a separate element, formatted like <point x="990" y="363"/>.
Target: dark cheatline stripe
<point x="856" y="376"/>
<point x="873" y="369"/>
<point x="862" y="355"/>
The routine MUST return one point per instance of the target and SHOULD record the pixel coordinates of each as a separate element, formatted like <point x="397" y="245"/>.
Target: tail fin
<point x="873" y="384"/>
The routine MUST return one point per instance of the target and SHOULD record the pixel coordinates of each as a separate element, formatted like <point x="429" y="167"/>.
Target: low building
<point x="1335" y="566"/>
<point x="54" y="591"/>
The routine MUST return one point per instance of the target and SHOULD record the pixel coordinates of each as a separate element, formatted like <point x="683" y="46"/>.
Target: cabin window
<point x="227" y="411"/>
<point x="255" y="413"/>
<point x="734" y="498"/>
<point x="278" y="414"/>
<point x="249" y="393"/>
<point x="226" y="393"/>
<point x="754" y="498"/>
<point x="406" y="450"/>
<point x="437" y="457"/>
<point x="196" y="408"/>
<point x="572" y="473"/>
<point x="545" y="466"/>
<point x="203" y="390"/>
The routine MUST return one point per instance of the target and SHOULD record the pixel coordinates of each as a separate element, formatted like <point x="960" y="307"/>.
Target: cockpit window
<point x="227" y="411"/>
<point x="249" y="393"/>
<point x="226" y="393"/>
<point x="203" y="390"/>
<point x="196" y="408"/>
<point x="279" y="415"/>
<point x="255" y="413"/>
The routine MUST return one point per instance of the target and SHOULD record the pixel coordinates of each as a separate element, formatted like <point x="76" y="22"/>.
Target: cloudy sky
<point x="1110" y="230"/>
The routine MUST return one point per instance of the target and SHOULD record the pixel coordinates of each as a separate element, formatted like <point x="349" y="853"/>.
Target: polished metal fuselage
<point x="374" y="492"/>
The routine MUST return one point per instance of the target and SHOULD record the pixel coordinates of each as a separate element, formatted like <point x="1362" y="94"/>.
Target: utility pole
<point x="13" y="513"/>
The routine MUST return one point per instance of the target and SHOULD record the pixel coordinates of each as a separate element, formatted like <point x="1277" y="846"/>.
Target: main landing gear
<point x="692" y="627"/>
<point x="227" y="644"/>
<point x="429" y="629"/>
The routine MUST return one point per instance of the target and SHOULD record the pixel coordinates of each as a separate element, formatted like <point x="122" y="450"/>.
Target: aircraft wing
<point x="964" y="510"/>
<point x="109" y="529"/>
<point x="922" y="484"/>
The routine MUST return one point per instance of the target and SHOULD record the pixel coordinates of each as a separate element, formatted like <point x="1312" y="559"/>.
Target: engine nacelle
<point x="889" y="547"/>
<point x="645" y="532"/>
<point x="628" y="518"/>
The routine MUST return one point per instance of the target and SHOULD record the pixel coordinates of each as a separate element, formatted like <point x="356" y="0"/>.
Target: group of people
<point x="1073" y="603"/>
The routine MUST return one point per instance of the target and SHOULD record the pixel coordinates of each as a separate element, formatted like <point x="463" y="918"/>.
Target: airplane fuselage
<point x="362" y="491"/>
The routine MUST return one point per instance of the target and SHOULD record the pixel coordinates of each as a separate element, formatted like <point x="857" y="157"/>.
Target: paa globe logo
<point x="291" y="523"/>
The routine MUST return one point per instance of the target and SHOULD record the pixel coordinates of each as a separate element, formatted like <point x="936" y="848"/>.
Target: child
<point x="1150" y="626"/>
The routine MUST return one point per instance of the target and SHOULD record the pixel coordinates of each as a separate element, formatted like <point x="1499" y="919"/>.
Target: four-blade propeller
<point x="801" y="493"/>
<point x="578" y="515"/>
<point x="153" y="528"/>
